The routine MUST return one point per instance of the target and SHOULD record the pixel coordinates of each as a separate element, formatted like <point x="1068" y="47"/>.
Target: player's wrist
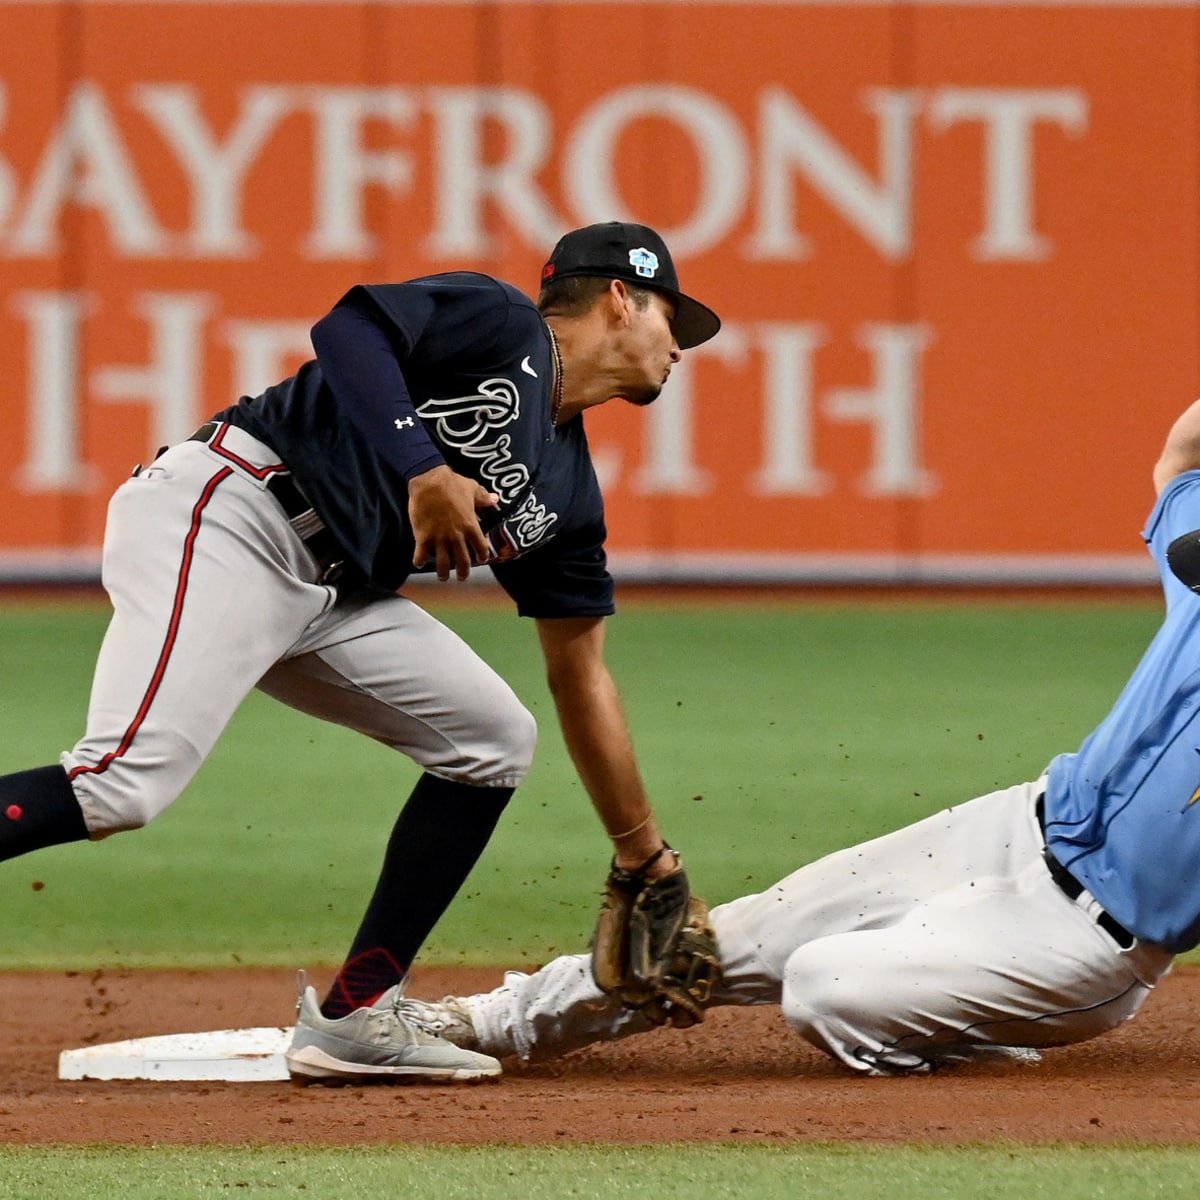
<point x="659" y="862"/>
<point x="430" y="472"/>
<point x="636" y="844"/>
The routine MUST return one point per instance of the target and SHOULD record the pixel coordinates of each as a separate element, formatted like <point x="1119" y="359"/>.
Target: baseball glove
<point x="654" y="947"/>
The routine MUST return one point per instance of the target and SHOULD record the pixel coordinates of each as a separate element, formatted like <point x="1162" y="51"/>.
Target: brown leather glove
<point x="654" y="947"/>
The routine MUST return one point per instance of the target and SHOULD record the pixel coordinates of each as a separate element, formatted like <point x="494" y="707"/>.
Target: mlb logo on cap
<point x="644" y="262"/>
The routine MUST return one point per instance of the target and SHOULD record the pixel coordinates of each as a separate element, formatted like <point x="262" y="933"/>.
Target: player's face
<point x="649" y="349"/>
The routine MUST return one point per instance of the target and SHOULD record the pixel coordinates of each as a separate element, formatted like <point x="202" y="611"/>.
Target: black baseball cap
<point x="621" y="250"/>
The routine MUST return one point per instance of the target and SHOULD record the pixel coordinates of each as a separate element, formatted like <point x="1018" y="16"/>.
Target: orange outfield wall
<point x="955" y="247"/>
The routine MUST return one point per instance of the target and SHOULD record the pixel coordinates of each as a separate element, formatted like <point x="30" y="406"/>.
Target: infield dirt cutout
<point x="742" y="1076"/>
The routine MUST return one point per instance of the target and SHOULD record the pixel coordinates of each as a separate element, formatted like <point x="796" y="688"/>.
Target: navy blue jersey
<point x="1122" y="812"/>
<point x="453" y="369"/>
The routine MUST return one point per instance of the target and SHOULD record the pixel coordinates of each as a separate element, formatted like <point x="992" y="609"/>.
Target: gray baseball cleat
<point x="449" y="1018"/>
<point x="375" y="1045"/>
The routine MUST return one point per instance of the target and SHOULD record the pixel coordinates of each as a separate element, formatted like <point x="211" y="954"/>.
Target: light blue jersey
<point x="1123" y="813"/>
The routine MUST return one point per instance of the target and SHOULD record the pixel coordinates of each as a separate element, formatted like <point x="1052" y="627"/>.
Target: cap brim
<point x="693" y="322"/>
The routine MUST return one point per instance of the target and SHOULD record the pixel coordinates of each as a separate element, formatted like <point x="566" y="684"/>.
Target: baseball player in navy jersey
<point x="1039" y="915"/>
<point x="438" y="426"/>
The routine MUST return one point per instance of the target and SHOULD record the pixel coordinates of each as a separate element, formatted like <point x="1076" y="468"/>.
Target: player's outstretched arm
<point x="1182" y="449"/>
<point x="597" y="736"/>
<point x="653" y="947"/>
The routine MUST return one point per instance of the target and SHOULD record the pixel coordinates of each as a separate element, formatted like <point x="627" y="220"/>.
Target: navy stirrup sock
<point x="437" y="839"/>
<point x="37" y="809"/>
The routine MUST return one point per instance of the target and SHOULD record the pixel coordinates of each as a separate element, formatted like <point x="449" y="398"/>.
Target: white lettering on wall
<point x="891" y="408"/>
<point x="766" y="173"/>
<point x="264" y="352"/>
<point x="216" y="171"/>
<point x="791" y="406"/>
<point x="171" y="384"/>
<point x="86" y="162"/>
<point x="591" y="160"/>
<point x="789" y="380"/>
<point x="762" y="176"/>
<point x="464" y="183"/>
<point x="8" y="177"/>
<point x="53" y="445"/>
<point x="1009" y="116"/>
<point x="792" y="141"/>
<point x="790" y="401"/>
<point x="344" y="168"/>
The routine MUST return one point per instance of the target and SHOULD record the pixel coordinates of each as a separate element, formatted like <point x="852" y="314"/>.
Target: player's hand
<point x="441" y="507"/>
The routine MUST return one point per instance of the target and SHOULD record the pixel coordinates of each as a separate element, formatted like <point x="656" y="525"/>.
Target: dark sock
<point x="38" y="808"/>
<point x="437" y="839"/>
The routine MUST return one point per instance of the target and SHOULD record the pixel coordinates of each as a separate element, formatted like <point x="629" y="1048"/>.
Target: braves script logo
<point x="474" y="427"/>
<point x="528" y="523"/>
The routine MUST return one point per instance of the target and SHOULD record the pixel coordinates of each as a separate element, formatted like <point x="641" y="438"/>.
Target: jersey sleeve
<point x="1176" y="512"/>
<point x="562" y="579"/>
<point x="457" y="318"/>
<point x="378" y="334"/>
<point x="360" y="365"/>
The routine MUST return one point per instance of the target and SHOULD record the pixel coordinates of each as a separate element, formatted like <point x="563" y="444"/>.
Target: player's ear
<point x="620" y="302"/>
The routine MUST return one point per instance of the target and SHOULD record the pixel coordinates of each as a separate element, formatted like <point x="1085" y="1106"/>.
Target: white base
<point x="234" y="1055"/>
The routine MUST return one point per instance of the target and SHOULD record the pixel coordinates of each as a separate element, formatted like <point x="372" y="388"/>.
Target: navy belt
<point x="301" y="515"/>
<point x="1073" y="889"/>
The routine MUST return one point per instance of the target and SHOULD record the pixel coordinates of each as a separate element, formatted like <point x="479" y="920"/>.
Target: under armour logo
<point x="405" y="422"/>
<point x="644" y="262"/>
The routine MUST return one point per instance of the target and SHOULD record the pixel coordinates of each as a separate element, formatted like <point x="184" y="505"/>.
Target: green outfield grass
<point x="768" y="736"/>
<point x="612" y="1173"/>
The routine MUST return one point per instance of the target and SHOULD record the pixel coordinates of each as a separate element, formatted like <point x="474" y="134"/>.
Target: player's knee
<point x="874" y="1015"/>
<point x="524" y="741"/>
<point x="516" y="744"/>
<point x="498" y="751"/>
<point x="822" y="990"/>
<point x="818" y="1004"/>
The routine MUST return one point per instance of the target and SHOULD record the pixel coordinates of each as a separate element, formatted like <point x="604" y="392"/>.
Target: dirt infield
<point x="743" y="1076"/>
